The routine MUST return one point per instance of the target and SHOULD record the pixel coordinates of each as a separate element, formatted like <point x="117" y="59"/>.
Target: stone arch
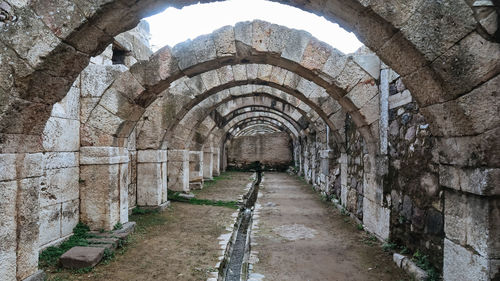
<point x="249" y="102"/>
<point x="432" y="61"/>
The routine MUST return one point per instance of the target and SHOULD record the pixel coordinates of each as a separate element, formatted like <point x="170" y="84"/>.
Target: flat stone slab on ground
<point x="187" y="196"/>
<point x="104" y="240"/>
<point x="81" y="257"/>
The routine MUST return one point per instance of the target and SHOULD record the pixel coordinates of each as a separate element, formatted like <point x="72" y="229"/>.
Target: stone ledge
<point x="151" y="156"/>
<point x="93" y="155"/>
<point x="38" y="276"/>
<point x="410" y="267"/>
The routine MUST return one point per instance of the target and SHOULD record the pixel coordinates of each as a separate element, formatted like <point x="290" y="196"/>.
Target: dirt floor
<point x="302" y="238"/>
<point x="177" y="244"/>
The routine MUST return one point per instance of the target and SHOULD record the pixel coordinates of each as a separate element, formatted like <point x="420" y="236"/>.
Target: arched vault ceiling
<point x="312" y="69"/>
<point x="204" y="134"/>
<point x="430" y="67"/>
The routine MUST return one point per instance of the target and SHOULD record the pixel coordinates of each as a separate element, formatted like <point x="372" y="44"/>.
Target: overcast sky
<point x="174" y="26"/>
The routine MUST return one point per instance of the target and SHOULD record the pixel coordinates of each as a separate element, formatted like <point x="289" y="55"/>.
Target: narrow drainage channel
<point x="234" y="266"/>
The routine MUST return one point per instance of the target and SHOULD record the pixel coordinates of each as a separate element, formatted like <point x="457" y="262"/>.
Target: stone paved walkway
<point x="299" y="237"/>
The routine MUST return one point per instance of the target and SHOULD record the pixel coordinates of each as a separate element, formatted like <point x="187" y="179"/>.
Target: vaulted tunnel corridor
<point x="399" y="139"/>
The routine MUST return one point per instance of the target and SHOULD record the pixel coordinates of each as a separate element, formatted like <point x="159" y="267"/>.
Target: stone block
<point x="99" y="195"/>
<point x="70" y="213"/>
<point x="371" y="110"/>
<point x="123" y="200"/>
<point x="69" y="106"/>
<point x="399" y="99"/>
<point x="120" y="105"/>
<point x="50" y="223"/>
<point x="61" y="134"/>
<point x="350" y="76"/>
<point x="461" y="264"/>
<point x="243" y="32"/>
<point x="8" y="222"/>
<point x="369" y="63"/>
<point x="295" y="44"/>
<point x="8" y="167"/>
<point x="473" y="113"/>
<point x="480" y="181"/>
<point x="204" y="48"/>
<point x="376" y="218"/>
<point x="468" y="64"/>
<point x="224" y="41"/>
<point x="28" y="211"/>
<point x="95" y="79"/>
<point x="178" y="155"/>
<point x="468" y="220"/>
<point x="151" y="156"/>
<point x="104" y="241"/>
<point x="480" y="150"/>
<point x="59" y="185"/>
<point x="81" y="257"/>
<point x="178" y="173"/>
<point x="150" y="184"/>
<point x="362" y="93"/>
<point x="58" y="160"/>
<point x="210" y="79"/>
<point x="94" y="155"/>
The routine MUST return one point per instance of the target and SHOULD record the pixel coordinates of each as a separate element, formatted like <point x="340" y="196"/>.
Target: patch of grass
<point x="141" y="211"/>
<point x="404" y="250"/>
<point x="83" y="270"/>
<point x="50" y="256"/>
<point x="108" y="256"/>
<point x="117" y="226"/>
<point x="147" y="218"/>
<point x="174" y="196"/>
<point x="344" y="212"/>
<point x="388" y="246"/>
<point x="423" y="262"/>
<point x="222" y="176"/>
<point x="360" y="226"/>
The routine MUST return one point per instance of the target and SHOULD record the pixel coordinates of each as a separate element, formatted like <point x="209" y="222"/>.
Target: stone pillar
<point x="216" y="161"/>
<point x="178" y="170"/>
<point x="208" y="163"/>
<point x="376" y="217"/>
<point x="104" y="181"/>
<point x="151" y="178"/>
<point x="343" y="178"/>
<point x="20" y="182"/>
<point x="325" y="156"/>
<point x="195" y="169"/>
<point x="471" y="223"/>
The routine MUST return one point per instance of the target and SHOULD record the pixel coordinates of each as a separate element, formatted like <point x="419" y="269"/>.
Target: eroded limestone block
<point x="81" y="257"/>
<point x="8" y="222"/>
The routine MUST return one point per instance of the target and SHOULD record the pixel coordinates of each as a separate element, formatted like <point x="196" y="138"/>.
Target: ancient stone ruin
<point x="403" y="134"/>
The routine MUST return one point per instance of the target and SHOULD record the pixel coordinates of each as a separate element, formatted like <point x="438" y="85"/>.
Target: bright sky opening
<point x="173" y="26"/>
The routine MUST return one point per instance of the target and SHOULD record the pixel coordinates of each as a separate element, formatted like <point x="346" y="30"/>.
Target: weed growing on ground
<point x="117" y="226"/>
<point x="359" y="226"/>
<point x="83" y="270"/>
<point x="423" y="262"/>
<point x="141" y="211"/>
<point x="50" y="256"/>
<point x="344" y="212"/>
<point x="388" y="246"/>
<point x="174" y="196"/>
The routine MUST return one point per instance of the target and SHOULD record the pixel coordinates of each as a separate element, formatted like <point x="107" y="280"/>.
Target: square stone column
<point x="216" y="161"/>
<point x="208" y="163"/>
<point x="471" y="223"/>
<point x="104" y="180"/>
<point x="195" y="169"/>
<point x="178" y="170"/>
<point x="376" y="217"/>
<point x="151" y="177"/>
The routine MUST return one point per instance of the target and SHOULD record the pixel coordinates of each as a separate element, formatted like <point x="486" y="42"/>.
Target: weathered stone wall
<point x="61" y="181"/>
<point x="272" y="150"/>
<point x="412" y="181"/>
<point x="352" y="197"/>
